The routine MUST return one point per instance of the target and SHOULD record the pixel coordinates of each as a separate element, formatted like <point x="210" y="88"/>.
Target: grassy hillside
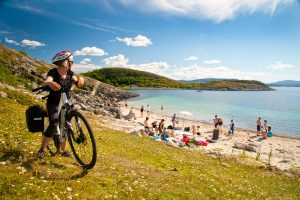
<point x="123" y="77"/>
<point x="129" y="77"/>
<point x="128" y="167"/>
<point x="20" y="70"/>
<point x="234" y="85"/>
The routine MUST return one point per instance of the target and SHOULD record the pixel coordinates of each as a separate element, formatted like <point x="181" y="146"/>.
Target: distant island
<point x="285" y="83"/>
<point x="133" y="79"/>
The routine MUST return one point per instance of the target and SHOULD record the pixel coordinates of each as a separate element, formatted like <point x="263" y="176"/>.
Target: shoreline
<point x="282" y="152"/>
<point x="283" y="135"/>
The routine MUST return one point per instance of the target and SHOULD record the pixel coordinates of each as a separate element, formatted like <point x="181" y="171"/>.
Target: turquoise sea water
<point x="280" y="107"/>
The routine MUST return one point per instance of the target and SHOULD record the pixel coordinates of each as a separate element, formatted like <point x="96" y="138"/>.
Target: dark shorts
<point x="258" y="128"/>
<point x="53" y="116"/>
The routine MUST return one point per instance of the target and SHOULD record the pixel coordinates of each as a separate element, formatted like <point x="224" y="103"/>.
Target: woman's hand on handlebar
<point x="80" y="82"/>
<point x="54" y="86"/>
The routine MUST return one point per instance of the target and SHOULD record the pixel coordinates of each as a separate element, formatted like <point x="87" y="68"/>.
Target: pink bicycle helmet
<point x="63" y="55"/>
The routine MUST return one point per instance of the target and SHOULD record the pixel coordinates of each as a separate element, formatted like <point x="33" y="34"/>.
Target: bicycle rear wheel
<point x="82" y="141"/>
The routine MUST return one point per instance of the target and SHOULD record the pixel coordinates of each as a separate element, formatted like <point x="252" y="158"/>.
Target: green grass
<point x="128" y="167"/>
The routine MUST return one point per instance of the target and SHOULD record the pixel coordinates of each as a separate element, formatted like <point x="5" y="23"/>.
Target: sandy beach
<point x="282" y="152"/>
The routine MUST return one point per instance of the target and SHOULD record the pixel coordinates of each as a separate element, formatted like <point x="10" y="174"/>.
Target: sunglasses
<point x="71" y="61"/>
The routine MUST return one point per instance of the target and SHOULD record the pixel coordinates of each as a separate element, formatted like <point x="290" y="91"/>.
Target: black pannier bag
<point x="35" y="118"/>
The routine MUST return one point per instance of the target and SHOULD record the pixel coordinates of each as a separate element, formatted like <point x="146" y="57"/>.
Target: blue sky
<point x="191" y="39"/>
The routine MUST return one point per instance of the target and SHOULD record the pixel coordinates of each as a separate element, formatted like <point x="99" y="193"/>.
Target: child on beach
<point x="269" y="134"/>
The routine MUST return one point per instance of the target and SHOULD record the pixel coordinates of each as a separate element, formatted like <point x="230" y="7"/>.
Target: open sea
<point x="280" y="107"/>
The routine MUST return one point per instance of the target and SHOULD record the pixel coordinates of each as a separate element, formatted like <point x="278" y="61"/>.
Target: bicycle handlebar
<point x="47" y="88"/>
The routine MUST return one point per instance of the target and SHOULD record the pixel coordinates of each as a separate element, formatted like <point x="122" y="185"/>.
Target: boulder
<point x="246" y="147"/>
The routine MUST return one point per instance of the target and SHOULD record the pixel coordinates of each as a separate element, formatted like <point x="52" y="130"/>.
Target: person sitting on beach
<point x="258" y="126"/>
<point x="215" y="120"/>
<point x="269" y="134"/>
<point x="185" y="138"/>
<point x="142" y="111"/>
<point x="161" y="126"/>
<point x="174" y="121"/>
<point x="154" y="127"/>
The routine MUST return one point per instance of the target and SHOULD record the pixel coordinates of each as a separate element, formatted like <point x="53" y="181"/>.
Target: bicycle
<point x="74" y="127"/>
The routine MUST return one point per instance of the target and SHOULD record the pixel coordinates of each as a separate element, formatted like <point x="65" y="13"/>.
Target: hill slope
<point x="130" y="77"/>
<point x="128" y="167"/>
<point x="286" y="83"/>
<point x="133" y="78"/>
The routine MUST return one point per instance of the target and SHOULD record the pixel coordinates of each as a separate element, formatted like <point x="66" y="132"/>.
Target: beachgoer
<point x="154" y="127"/>
<point x="142" y="111"/>
<point x="198" y="130"/>
<point x="56" y="78"/>
<point x="194" y="129"/>
<point x="270" y="134"/>
<point x="146" y="123"/>
<point x="126" y="104"/>
<point x="265" y="129"/>
<point x="231" y="126"/>
<point x="185" y="138"/>
<point x="258" y="126"/>
<point x="162" y="110"/>
<point x="148" y="110"/>
<point x="174" y="120"/>
<point x="161" y="126"/>
<point x="215" y="120"/>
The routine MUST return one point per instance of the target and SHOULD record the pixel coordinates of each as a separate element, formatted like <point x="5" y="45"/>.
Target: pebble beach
<point x="282" y="152"/>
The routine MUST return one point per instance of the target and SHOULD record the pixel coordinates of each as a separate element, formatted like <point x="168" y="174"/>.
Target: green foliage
<point x="128" y="167"/>
<point x="127" y="78"/>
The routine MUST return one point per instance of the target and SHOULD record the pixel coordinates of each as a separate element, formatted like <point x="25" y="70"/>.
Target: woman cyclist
<point x="57" y="77"/>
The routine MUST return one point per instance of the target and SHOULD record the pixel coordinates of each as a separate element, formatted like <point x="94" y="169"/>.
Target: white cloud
<point x="215" y="10"/>
<point x="280" y="65"/>
<point x="191" y="58"/>
<point x="138" y="41"/>
<point x="210" y="62"/>
<point x="85" y="61"/>
<point x="116" y="61"/>
<point x="153" y="67"/>
<point x="81" y="68"/>
<point x="11" y="41"/>
<point x="198" y="72"/>
<point x="121" y="61"/>
<point x="90" y="51"/>
<point x="32" y="43"/>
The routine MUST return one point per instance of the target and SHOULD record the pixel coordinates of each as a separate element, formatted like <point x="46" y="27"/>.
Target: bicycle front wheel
<point x="82" y="141"/>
